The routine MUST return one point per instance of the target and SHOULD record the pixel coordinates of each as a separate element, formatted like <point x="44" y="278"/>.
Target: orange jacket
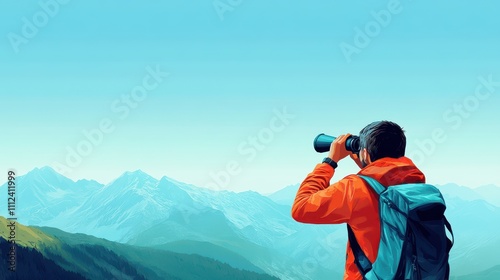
<point x="351" y="201"/>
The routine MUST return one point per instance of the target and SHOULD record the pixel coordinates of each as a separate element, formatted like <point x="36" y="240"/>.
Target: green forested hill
<point x="31" y="264"/>
<point x="48" y="252"/>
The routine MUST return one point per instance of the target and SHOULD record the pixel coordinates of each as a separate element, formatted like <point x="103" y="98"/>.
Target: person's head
<point x="381" y="139"/>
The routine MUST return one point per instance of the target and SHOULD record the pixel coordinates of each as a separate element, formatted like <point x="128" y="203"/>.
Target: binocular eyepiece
<point x="323" y="142"/>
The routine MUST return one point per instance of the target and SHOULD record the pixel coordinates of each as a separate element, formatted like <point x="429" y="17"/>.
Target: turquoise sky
<point x="423" y="64"/>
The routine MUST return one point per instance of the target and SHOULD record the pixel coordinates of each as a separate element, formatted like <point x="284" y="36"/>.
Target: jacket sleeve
<point x="318" y="202"/>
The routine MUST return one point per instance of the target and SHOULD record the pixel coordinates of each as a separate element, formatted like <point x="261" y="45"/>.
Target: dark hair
<point x="383" y="139"/>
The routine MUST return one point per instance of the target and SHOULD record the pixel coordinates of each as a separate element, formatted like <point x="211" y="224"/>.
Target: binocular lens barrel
<point x="323" y="142"/>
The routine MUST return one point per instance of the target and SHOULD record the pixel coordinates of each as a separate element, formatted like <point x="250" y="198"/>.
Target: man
<point x="350" y="200"/>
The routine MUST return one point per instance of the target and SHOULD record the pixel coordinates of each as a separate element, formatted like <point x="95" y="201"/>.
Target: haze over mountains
<point x="245" y="230"/>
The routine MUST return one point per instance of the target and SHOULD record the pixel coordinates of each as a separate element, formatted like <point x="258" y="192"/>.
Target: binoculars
<point x="323" y="142"/>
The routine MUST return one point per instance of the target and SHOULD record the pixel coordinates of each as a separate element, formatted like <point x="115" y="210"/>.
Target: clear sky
<point x="250" y="84"/>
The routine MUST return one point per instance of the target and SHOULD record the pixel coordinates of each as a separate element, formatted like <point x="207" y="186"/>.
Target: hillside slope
<point x="59" y="254"/>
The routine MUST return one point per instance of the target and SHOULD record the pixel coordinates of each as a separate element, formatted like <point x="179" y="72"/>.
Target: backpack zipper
<point x="393" y="206"/>
<point x="416" y="270"/>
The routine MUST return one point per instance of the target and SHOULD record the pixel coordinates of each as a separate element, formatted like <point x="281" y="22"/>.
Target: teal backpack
<point x="413" y="241"/>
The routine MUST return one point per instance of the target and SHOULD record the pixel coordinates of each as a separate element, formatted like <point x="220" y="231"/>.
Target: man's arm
<point x="317" y="202"/>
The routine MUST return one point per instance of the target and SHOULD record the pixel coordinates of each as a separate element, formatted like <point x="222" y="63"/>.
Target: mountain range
<point x="246" y="230"/>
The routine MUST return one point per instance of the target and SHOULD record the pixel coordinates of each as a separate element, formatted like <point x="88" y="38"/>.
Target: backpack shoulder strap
<point x="452" y="241"/>
<point x="374" y="184"/>
<point x="360" y="259"/>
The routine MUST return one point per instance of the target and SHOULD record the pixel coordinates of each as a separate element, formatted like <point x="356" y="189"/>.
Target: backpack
<point x="413" y="240"/>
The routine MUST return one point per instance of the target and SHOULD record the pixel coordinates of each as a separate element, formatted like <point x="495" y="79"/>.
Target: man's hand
<point x="337" y="149"/>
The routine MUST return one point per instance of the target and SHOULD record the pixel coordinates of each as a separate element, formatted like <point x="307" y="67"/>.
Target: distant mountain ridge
<point x="286" y="195"/>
